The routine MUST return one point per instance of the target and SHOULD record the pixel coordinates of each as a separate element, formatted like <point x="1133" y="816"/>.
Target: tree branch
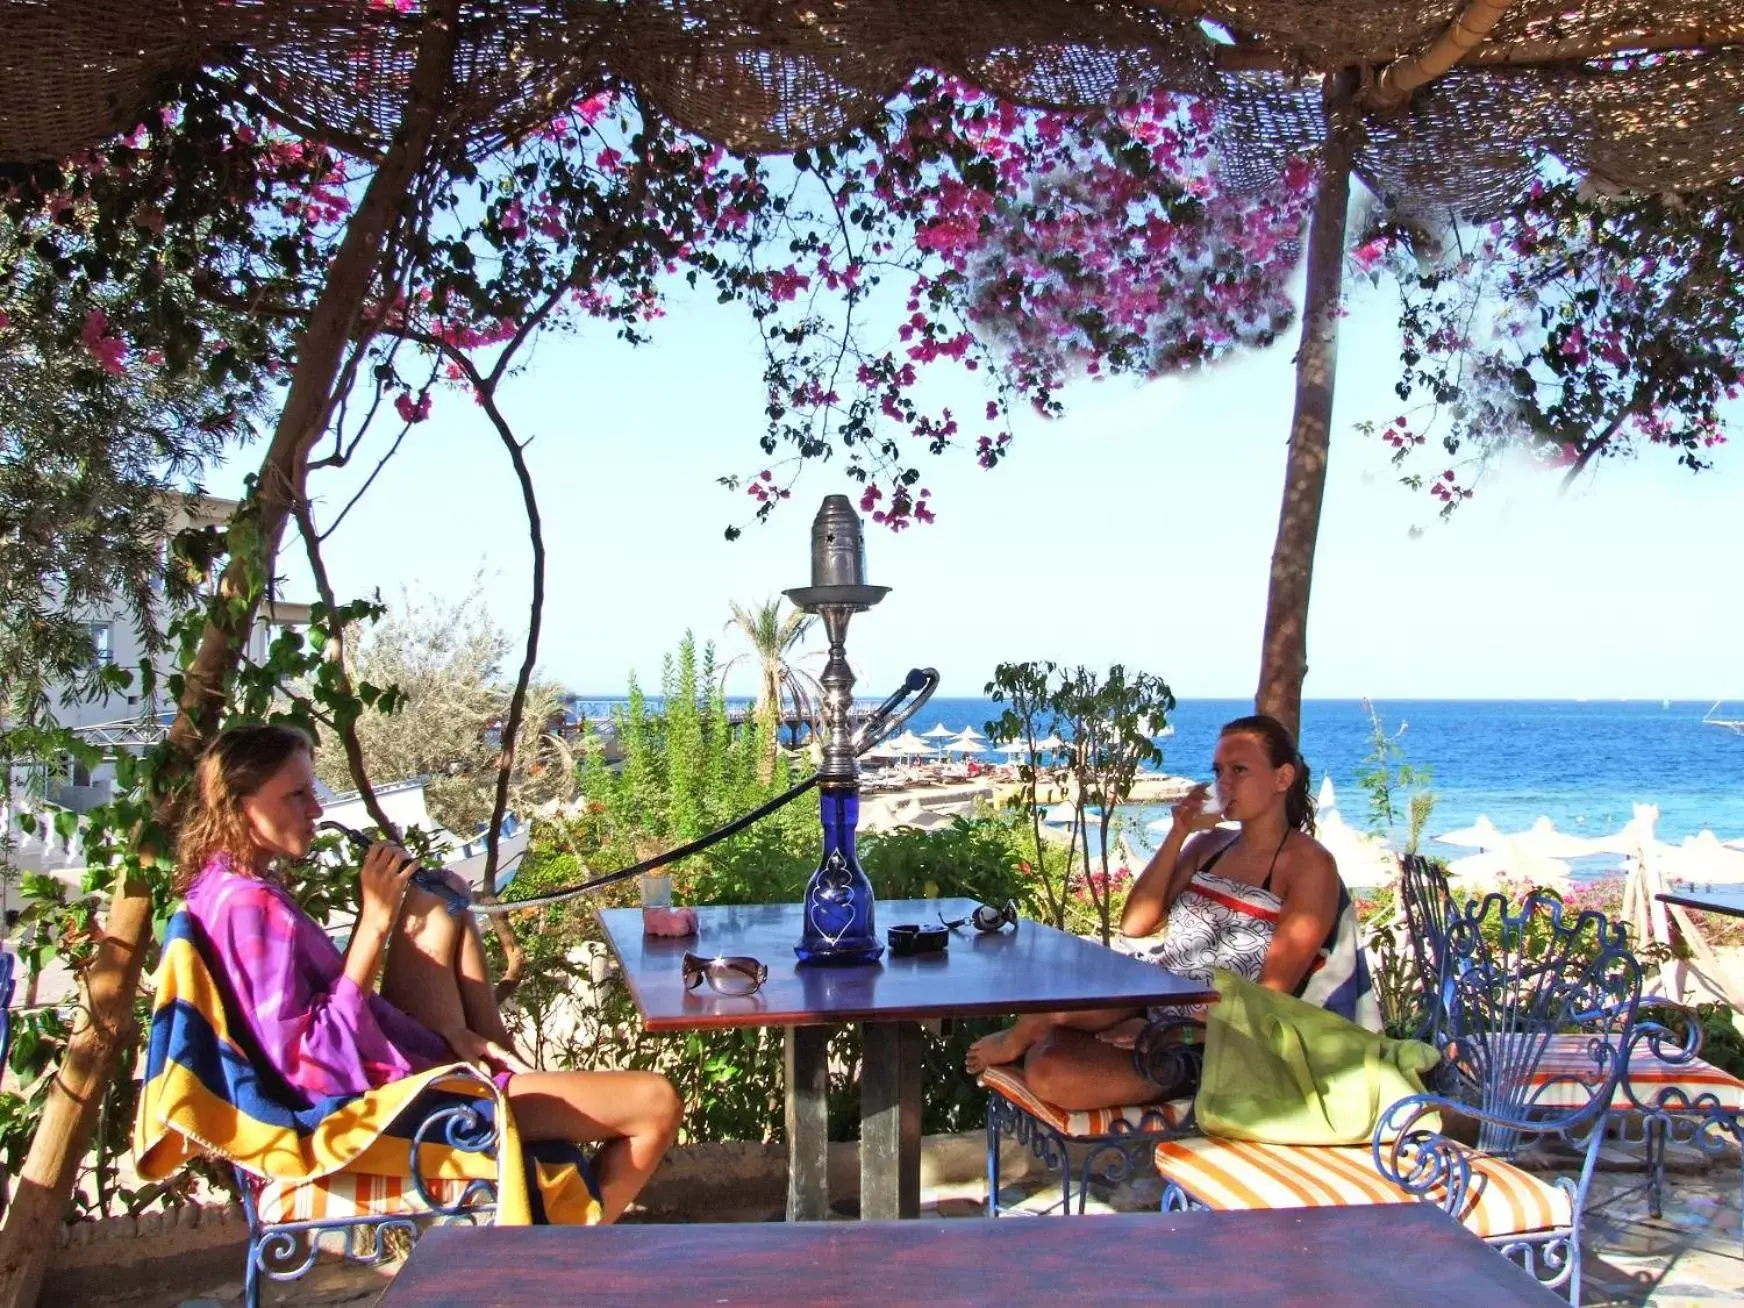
<point x="347" y="730"/>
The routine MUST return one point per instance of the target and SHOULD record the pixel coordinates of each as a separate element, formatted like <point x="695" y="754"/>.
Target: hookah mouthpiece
<point x="455" y="901"/>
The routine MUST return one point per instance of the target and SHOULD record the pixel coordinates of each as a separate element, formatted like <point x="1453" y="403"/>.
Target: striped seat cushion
<point x="351" y="1194"/>
<point x="1649" y="1076"/>
<point x="1234" y="1175"/>
<point x="1155" y="1118"/>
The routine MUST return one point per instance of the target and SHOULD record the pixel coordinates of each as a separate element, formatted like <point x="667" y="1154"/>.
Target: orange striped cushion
<point x="1008" y="1081"/>
<point x="351" y="1194"/>
<point x="1649" y="1076"/>
<point x="1234" y="1175"/>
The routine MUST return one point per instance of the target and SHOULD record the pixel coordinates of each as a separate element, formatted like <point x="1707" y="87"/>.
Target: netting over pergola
<point x="1645" y="94"/>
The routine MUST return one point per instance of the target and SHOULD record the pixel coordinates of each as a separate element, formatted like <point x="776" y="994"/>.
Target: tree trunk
<point x="70" y="1113"/>
<point x="1284" y="655"/>
<point x="768" y="720"/>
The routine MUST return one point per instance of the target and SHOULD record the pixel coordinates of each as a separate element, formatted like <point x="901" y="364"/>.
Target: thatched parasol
<point x="1458" y="98"/>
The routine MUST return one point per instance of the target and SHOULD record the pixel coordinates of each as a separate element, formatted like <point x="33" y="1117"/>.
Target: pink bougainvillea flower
<point x="110" y="350"/>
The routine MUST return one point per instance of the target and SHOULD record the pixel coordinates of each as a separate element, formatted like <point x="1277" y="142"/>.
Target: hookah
<point x="838" y="908"/>
<point x="838" y="899"/>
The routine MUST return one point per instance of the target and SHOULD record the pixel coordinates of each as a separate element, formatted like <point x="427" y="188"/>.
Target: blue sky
<point x="1137" y="529"/>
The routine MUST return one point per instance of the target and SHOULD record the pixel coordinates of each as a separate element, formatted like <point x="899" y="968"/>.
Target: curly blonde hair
<point x="233" y="767"/>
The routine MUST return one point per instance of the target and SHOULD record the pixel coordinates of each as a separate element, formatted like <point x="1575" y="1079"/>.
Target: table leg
<point x="890" y="1095"/>
<point x="806" y="1056"/>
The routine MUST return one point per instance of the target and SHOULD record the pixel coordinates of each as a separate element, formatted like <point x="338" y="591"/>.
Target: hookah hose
<point x="885" y="719"/>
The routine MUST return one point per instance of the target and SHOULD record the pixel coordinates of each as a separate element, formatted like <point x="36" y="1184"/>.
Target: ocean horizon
<point x="1583" y="763"/>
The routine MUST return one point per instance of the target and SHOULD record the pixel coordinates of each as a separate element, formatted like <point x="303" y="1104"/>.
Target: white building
<point x="127" y="720"/>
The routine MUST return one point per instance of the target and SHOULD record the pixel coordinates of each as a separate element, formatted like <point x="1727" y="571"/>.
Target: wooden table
<point x="1032" y="969"/>
<point x="1716" y="899"/>
<point x="1368" y="1257"/>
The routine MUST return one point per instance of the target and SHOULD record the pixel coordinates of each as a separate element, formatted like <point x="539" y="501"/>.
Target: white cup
<point x="1213" y="800"/>
<point x="656" y="890"/>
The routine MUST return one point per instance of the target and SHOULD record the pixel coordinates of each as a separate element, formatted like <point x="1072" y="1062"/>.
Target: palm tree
<point x="773" y="636"/>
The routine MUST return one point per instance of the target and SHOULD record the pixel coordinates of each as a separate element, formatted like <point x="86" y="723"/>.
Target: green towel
<point x="1279" y="1070"/>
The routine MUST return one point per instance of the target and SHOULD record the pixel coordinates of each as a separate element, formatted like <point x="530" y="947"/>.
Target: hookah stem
<point x="922" y="680"/>
<point x="659" y="860"/>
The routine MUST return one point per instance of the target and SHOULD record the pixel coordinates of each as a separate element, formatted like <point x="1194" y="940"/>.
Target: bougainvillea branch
<point x="1580" y="327"/>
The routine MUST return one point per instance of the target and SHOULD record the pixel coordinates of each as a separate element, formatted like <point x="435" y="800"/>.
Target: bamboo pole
<point x="70" y="1113"/>
<point x="1284" y="653"/>
<point x="1687" y="38"/>
<point x="1463" y="35"/>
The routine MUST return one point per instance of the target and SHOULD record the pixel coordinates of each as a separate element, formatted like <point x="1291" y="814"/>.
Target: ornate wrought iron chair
<point x="410" y="1153"/>
<point x="288" y="1223"/>
<point x="1670" y="1094"/>
<point x="1428" y="905"/>
<point x="1515" y="983"/>
<point x="1114" y="1140"/>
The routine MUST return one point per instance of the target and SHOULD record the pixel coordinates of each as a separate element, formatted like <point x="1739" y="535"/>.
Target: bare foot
<point x="1005" y="1046"/>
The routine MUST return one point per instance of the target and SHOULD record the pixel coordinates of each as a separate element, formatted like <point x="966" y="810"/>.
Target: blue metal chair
<point x="1115" y="1140"/>
<point x="1428" y="905"/>
<point x="1675" y="1096"/>
<point x="365" y="1210"/>
<point x="1514" y="984"/>
<point x="1670" y="1094"/>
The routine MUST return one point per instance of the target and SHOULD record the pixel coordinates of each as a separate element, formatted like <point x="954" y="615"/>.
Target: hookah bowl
<point x="838" y="909"/>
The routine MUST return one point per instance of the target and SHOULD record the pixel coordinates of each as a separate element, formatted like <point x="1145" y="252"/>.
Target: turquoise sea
<point x="1581" y="763"/>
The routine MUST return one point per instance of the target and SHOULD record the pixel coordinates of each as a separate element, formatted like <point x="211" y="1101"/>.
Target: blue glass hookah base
<point x="838" y="911"/>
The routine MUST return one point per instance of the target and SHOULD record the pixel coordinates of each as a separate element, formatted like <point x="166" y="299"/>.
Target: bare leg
<point x="1013" y="1043"/>
<point x="478" y="997"/>
<point x="635" y="1113"/>
<point x="420" y="978"/>
<point x="1075" y="1070"/>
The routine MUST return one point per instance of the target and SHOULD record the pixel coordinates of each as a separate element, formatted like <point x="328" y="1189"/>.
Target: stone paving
<point x="1691" y="1255"/>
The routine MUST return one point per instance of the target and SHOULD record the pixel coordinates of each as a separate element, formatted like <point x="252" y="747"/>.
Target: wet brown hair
<point x="233" y="767"/>
<point x="1280" y="749"/>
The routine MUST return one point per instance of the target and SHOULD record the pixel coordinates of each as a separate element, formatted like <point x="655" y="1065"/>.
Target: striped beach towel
<point x="346" y="1155"/>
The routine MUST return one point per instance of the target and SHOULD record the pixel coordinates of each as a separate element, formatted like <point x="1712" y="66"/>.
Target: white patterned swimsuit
<point x="1220" y="922"/>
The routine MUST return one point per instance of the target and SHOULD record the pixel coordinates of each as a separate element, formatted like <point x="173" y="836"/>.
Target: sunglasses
<point x="727" y="975"/>
<point x="986" y="918"/>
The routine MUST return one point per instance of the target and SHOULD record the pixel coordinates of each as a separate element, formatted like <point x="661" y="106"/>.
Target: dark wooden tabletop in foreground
<point x="1386" y="1256"/>
<point x="1714" y="899"/>
<point x="1034" y="969"/>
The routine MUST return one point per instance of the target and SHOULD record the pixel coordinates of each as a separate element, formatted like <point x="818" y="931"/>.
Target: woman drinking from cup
<point x="1264" y="900"/>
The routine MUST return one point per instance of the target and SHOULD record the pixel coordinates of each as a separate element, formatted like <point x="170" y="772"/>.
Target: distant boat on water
<point x="1735" y="725"/>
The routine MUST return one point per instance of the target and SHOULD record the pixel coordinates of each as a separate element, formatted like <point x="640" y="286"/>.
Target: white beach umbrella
<point x="964" y="744"/>
<point x="1508" y="861"/>
<point x="1633" y="836"/>
<point x="1482" y="834"/>
<point x="1702" y="859"/>
<point x="939" y="732"/>
<point x="1327" y="800"/>
<point x="1543" y="840"/>
<point x="1050" y="744"/>
<point x="1363" y="860"/>
<point x="909" y="743"/>
<point x="970" y="733"/>
<point x="1013" y="747"/>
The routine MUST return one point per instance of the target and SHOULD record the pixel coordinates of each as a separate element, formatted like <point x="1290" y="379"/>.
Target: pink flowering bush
<point x="1026" y="246"/>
